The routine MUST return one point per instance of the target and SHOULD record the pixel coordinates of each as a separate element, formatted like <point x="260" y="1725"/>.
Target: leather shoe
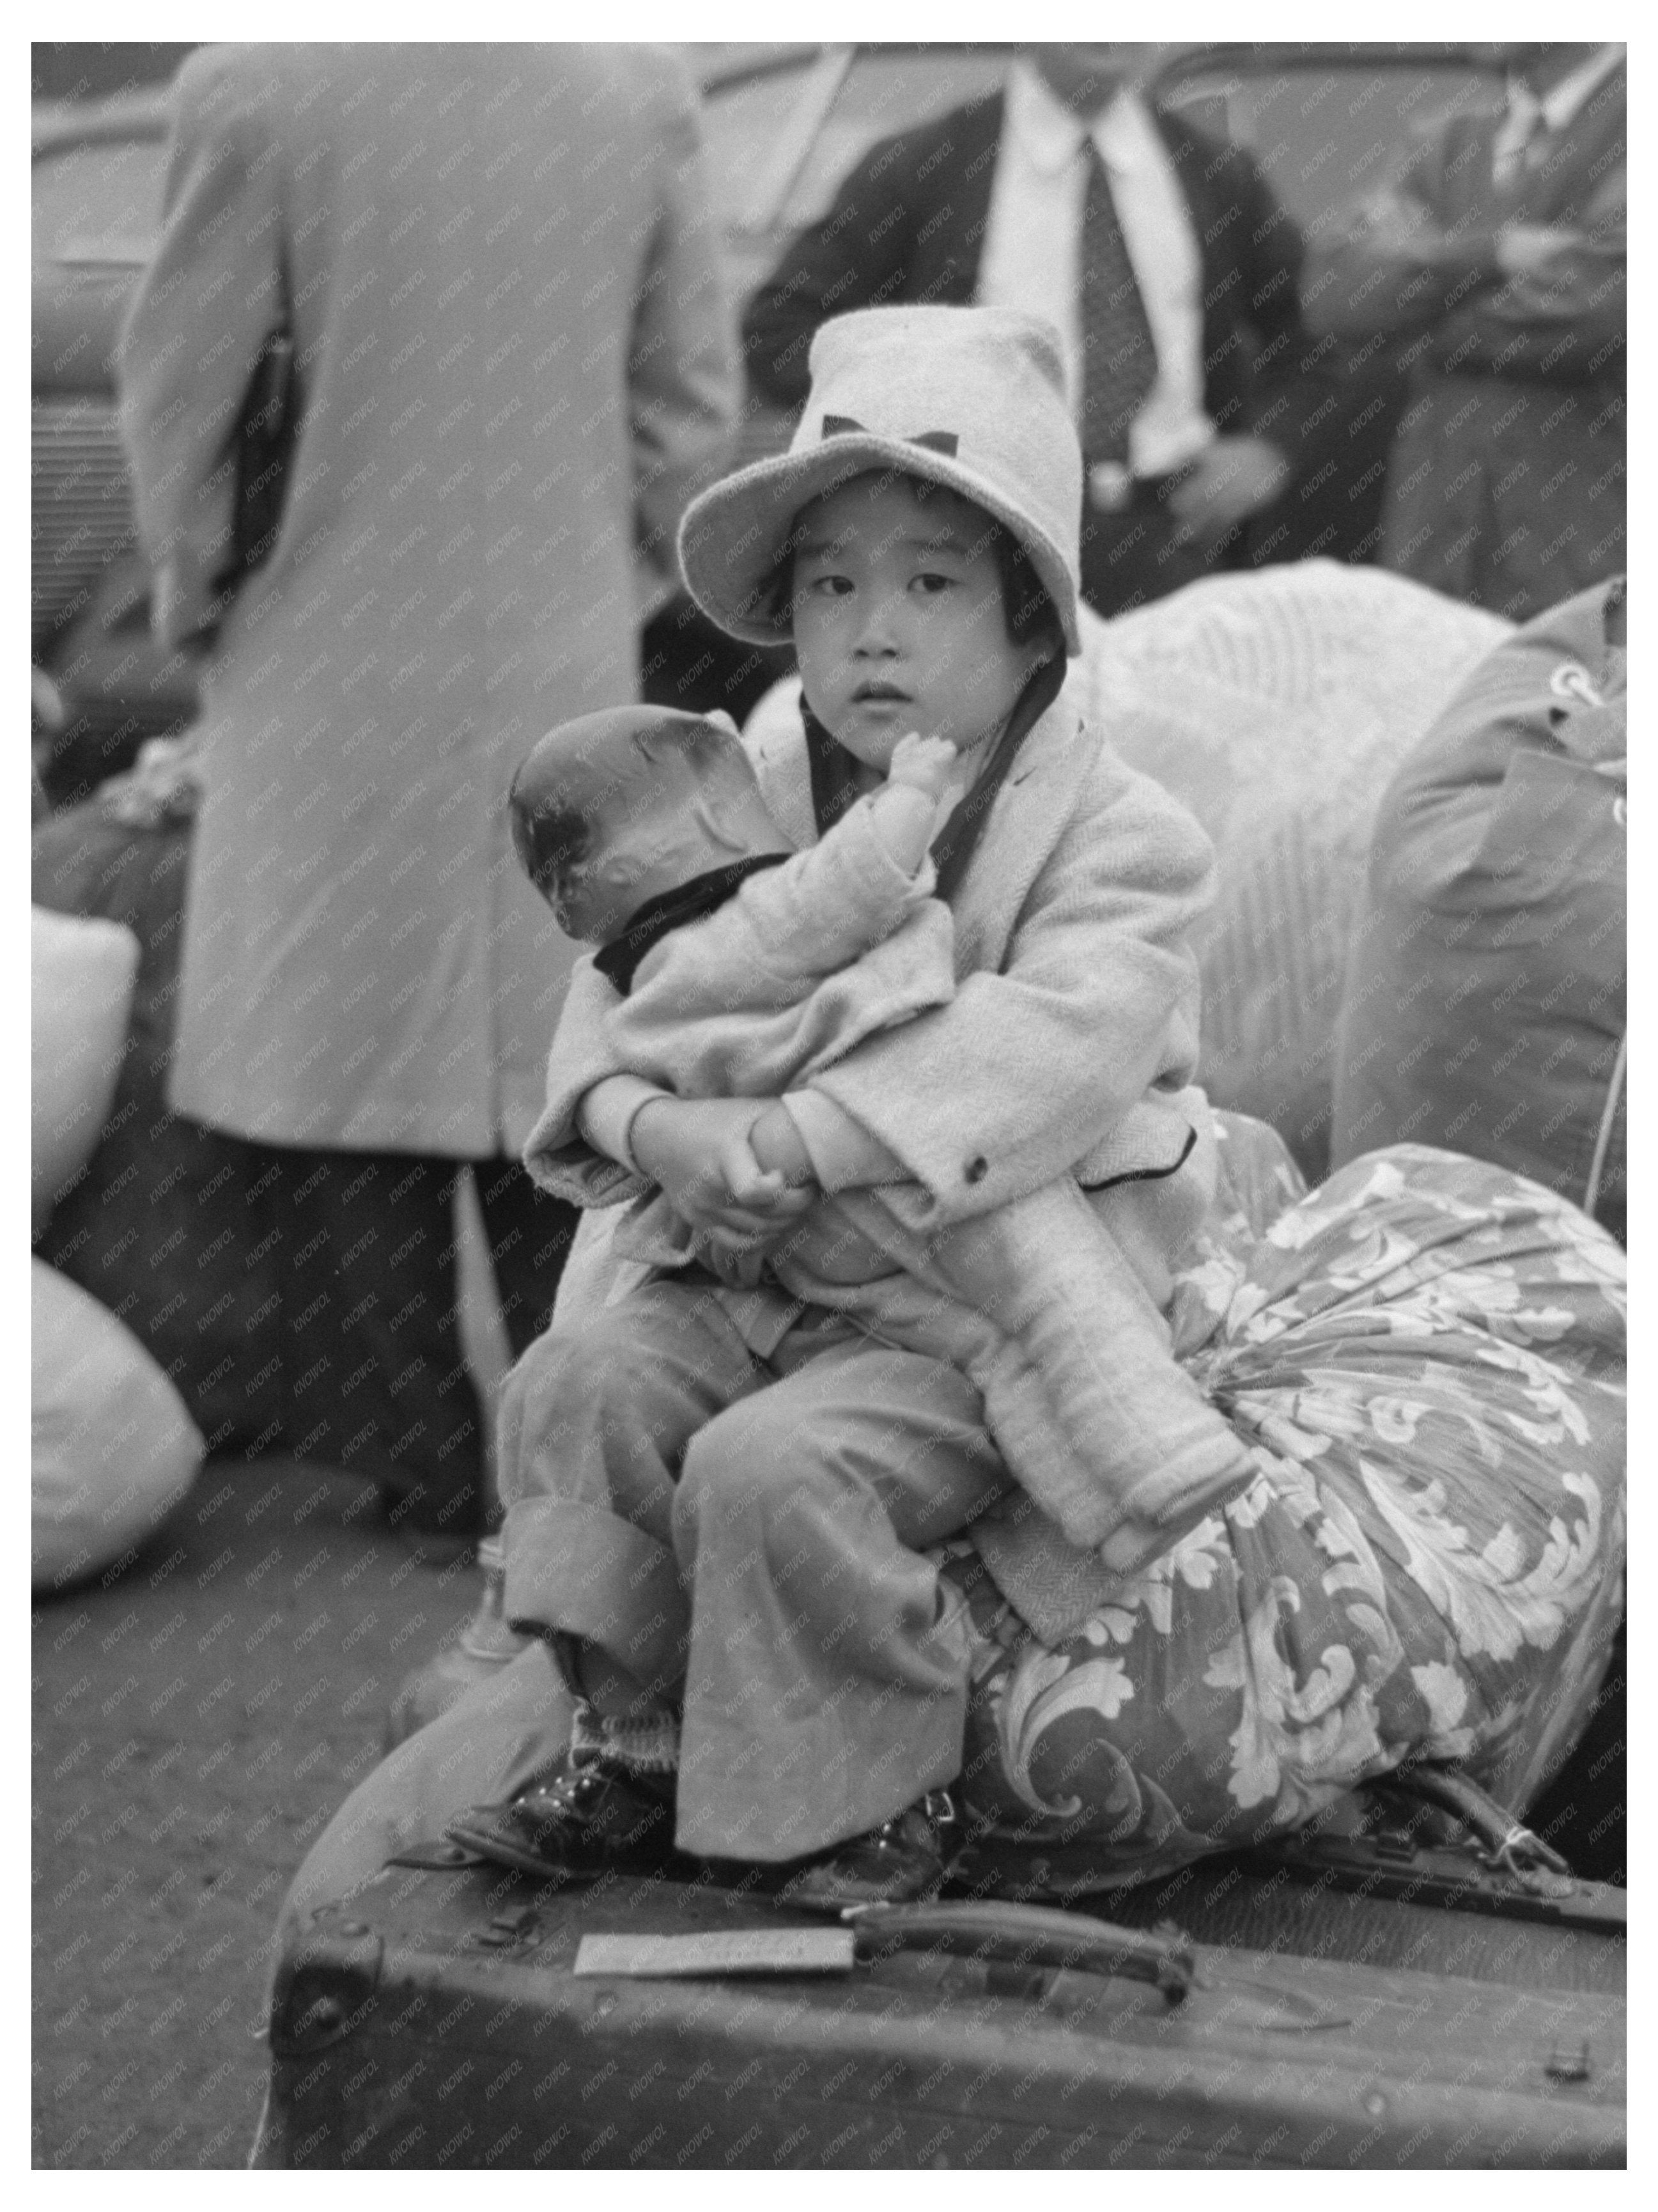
<point x="589" y="1813"/>
<point x="905" y="1859"/>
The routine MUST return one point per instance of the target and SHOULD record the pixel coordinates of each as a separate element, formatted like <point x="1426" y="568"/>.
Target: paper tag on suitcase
<point x="720" y="1951"/>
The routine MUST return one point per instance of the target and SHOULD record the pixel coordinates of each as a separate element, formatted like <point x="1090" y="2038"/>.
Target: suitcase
<point x="454" y="2014"/>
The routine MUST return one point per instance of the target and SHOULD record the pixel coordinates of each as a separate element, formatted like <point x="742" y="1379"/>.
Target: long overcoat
<point x="514" y="363"/>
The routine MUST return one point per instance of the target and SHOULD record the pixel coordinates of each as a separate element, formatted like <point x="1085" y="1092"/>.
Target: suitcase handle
<point x="1027" y="1935"/>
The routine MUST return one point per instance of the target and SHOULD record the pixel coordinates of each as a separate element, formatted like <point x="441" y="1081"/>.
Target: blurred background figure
<point x="1163" y="257"/>
<point x="418" y="380"/>
<point x="1485" y="1005"/>
<point x="45" y="719"/>
<point x="1499" y="257"/>
<point x="1485" y="1001"/>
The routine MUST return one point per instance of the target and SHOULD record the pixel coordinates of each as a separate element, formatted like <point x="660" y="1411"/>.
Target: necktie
<point x="1119" y="363"/>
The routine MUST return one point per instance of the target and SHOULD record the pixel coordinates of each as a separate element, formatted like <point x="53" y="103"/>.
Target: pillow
<point x="82" y="979"/>
<point x="114" y="1449"/>
<point x="1277" y="707"/>
<point x="1426" y="1357"/>
<point x="157" y="1181"/>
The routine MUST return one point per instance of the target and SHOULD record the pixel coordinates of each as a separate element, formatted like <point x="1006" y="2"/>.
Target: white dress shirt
<point x="1033" y="245"/>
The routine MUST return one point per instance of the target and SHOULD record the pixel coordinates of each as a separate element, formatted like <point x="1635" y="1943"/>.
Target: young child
<point x="719" y="1499"/>
<point x="745" y="970"/>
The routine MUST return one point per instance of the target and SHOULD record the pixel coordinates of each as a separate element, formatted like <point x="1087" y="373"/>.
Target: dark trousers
<point x="374" y="1374"/>
<point x="1129" y="556"/>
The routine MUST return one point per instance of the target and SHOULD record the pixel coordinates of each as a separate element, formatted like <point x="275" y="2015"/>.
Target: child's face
<point x="897" y="619"/>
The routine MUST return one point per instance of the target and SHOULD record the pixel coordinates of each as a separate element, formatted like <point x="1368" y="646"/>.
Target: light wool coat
<point x="1066" y="1052"/>
<point x="1071" y="1041"/>
<point x="1032" y="1300"/>
<point x="515" y="363"/>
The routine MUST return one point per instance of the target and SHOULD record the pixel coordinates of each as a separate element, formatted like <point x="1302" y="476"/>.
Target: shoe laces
<point x="937" y="1808"/>
<point x="583" y="1776"/>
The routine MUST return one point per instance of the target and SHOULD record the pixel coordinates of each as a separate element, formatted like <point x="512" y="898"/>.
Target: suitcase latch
<point x="1569" y="2063"/>
<point x="512" y="1926"/>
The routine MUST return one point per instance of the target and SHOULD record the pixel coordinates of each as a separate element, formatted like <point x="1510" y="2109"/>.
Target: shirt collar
<point x="1052" y="134"/>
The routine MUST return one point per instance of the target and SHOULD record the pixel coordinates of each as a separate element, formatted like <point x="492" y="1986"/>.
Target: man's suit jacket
<point x="502" y="276"/>
<point x="908" y="224"/>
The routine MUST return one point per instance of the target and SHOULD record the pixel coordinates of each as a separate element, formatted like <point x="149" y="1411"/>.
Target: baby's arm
<point x="816" y="915"/>
<point x="903" y="810"/>
<point x="902" y="813"/>
<point x="790" y="918"/>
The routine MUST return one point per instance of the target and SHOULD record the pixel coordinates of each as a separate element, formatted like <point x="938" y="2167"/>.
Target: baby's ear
<point x="723" y="720"/>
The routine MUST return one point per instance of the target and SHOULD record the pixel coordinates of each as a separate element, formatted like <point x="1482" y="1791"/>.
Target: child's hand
<point x="698" y="1152"/>
<point x="924" y="764"/>
<point x="775" y="1143"/>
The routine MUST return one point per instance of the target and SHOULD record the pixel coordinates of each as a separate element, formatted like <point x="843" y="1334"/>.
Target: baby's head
<point x="918" y="542"/>
<point x="616" y="809"/>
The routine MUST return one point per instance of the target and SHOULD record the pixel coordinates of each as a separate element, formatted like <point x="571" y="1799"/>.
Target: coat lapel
<point x="1030" y="810"/>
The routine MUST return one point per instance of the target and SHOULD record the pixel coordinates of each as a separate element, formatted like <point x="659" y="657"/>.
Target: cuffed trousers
<point x="743" y="1537"/>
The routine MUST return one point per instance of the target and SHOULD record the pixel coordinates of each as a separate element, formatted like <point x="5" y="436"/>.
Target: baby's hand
<point x="923" y="763"/>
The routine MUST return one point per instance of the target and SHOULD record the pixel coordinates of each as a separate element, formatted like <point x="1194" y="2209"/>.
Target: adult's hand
<point x="1234" y="478"/>
<point x="1526" y="249"/>
<point x="697" y="1152"/>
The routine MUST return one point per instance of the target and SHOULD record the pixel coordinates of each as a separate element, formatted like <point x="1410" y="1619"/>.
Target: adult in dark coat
<point x="1496" y="262"/>
<point x="1215" y="259"/>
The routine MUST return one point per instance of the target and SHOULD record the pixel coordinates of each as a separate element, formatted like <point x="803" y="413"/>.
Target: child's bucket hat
<point x="970" y="397"/>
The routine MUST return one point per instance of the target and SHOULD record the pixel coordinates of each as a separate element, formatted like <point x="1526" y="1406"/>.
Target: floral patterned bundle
<point x="1426" y="1355"/>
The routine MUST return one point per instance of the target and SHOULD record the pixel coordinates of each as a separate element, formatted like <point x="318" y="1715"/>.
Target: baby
<point x="743" y="969"/>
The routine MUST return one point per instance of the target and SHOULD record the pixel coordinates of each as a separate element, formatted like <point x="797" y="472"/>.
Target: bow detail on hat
<point x="940" y="442"/>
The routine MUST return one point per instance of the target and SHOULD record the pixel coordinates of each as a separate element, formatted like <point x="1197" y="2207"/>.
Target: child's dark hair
<point x="1030" y="616"/>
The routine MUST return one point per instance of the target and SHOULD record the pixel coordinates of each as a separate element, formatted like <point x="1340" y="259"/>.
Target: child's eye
<point x="930" y="581"/>
<point x="828" y="587"/>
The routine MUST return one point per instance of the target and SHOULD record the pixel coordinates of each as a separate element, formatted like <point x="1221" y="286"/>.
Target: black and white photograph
<point x="663" y="1541"/>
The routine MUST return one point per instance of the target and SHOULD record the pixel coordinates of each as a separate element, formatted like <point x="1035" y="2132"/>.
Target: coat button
<point x="977" y="1169"/>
